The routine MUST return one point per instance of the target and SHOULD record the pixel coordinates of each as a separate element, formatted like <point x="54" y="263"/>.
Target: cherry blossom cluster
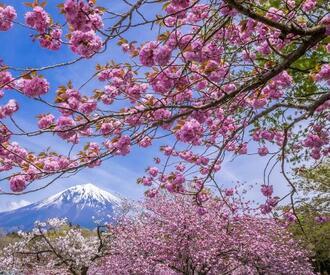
<point x="5" y="79"/>
<point x="317" y="140"/>
<point x="85" y="43"/>
<point x="84" y="19"/>
<point x="324" y="74"/>
<point x="33" y="166"/>
<point x="82" y="16"/>
<point x="7" y="16"/>
<point x="38" y="19"/>
<point x="49" y="34"/>
<point x="51" y="40"/>
<point x="271" y="202"/>
<point x="9" y="108"/>
<point x="36" y="86"/>
<point x="152" y="53"/>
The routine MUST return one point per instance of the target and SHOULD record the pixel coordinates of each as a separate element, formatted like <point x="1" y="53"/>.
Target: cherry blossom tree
<point x="54" y="247"/>
<point x="219" y="79"/>
<point x="163" y="235"/>
<point x="171" y="235"/>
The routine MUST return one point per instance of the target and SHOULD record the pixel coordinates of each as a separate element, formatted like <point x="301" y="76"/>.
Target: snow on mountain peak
<point x="85" y="194"/>
<point x="86" y="205"/>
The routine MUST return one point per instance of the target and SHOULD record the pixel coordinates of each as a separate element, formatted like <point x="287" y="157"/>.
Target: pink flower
<point x="190" y="132"/>
<point x="5" y="79"/>
<point x="229" y="192"/>
<point x="36" y="86"/>
<point x="179" y="179"/>
<point x="201" y="211"/>
<point x="308" y="5"/>
<point x="316" y="154"/>
<point x="324" y="73"/>
<point x="151" y="193"/>
<point x="105" y="75"/>
<point x="267" y="190"/>
<point x="326" y="22"/>
<point x="121" y="147"/>
<point x="181" y="3"/>
<point x="38" y="19"/>
<point x="267" y="135"/>
<point x="228" y="88"/>
<point x="259" y="103"/>
<point x="198" y="13"/>
<point x="51" y="41"/>
<point x="272" y="201"/>
<point x="63" y="126"/>
<point x="275" y="14"/>
<point x="85" y="43"/>
<point x="106" y="128"/>
<point x="146" y="54"/>
<point x="168" y="150"/>
<point x="242" y="149"/>
<point x="180" y="167"/>
<point x="81" y="16"/>
<point x="134" y="92"/>
<point x="146" y="181"/>
<point x="74" y="103"/>
<point x="265" y="208"/>
<point x="45" y="121"/>
<point x="17" y="183"/>
<point x="228" y="11"/>
<point x="162" y="55"/>
<point x="321" y="219"/>
<point x="289" y="217"/>
<point x="162" y="114"/>
<point x="145" y="142"/>
<point x="170" y="187"/>
<point x="263" y="151"/>
<point x="7" y="16"/>
<point x="5" y="133"/>
<point x="8" y="109"/>
<point x="153" y="171"/>
<point x="88" y="106"/>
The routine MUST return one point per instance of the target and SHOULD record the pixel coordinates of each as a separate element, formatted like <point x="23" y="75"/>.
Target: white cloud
<point x="14" y="205"/>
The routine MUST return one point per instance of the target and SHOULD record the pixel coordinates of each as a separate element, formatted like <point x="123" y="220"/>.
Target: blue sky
<point x="119" y="174"/>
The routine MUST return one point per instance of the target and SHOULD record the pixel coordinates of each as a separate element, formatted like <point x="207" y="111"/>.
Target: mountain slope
<point x="81" y="204"/>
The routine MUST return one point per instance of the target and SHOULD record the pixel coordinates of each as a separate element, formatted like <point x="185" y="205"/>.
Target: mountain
<point x="81" y="204"/>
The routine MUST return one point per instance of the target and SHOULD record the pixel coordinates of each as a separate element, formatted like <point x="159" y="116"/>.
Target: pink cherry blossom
<point x="38" y="19"/>
<point x="45" y="121"/>
<point x="5" y="134"/>
<point x="7" y="16"/>
<point x="153" y="171"/>
<point x="52" y="40"/>
<point x="17" y="183"/>
<point x="190" y="132"/>
<point x="263" y="151"/>
<point x="309" y="5"/>
<point x="36" y="86"/>
<point x="85" y="43"/>
<point x="267" y="190"/>
<point x="81" y="16"/>
<point x="147" y="53"/>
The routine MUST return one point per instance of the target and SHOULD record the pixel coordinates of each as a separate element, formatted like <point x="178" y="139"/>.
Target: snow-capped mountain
<point x="81" y="204"/>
